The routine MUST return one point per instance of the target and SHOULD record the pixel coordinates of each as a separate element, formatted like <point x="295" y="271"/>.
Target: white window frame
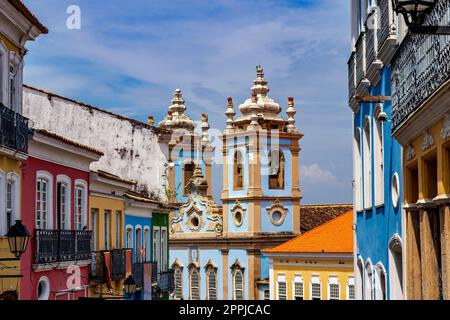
<point x="334" y="280"/>
<point x="94" y="223"/>
<point x="190" y="282"/>
<point x="163" y="243"/>
<point x="315" y="279"/>
<point x="128" y="239"/>
<point x="118" y="228"/>
<point x="14" y="179"/>
<point x="281" y="279"/>
<point x="378" y="151"/>
<point x="138" y="242"/>
<point x="63" y="179"/>
<point x="367" y="160"/>
<point x="211" y="270"/>
<point x="242" y="271"/>
<point x="4" y="74"/>
<point x="298" y="279"/>
<point x="350" y="282"/>
<point x="107" y="229"/>
<point x="156" y="249"/>
<point x="396" y="284"/>
<point x="368" y="281"/>
<point x="359" y="280"/>
<point x="357" y="169"/>
<point x="16" y="64"/>
<point x="147" y="242"/>
<point x="81" y="184"/>
<point x="44" y="175"/>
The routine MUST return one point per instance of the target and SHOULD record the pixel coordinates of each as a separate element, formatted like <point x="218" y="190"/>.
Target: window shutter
<point x="212" y="292"/>
<point x="178" y="283"/>
<point x="281" y="290"/>
<point x="238" y="285"/>
<point x="195" y="281"/>
<point x="298" y="290"/>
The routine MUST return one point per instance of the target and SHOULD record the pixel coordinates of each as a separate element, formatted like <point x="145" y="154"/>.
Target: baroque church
<point x="215" y="250"/>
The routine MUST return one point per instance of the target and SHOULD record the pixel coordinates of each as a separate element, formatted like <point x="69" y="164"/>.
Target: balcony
<point x="62" y="245"/>
<point x="420" y="67"/>
<point x="374" y="64"/>
<point x="13" y="130"/>
<point x="352" y="81"/>
<point x="102" y="262"/>
<point x="166" y="281"/>
<point x="387" y="32"/>
<point x="362" y="83"/>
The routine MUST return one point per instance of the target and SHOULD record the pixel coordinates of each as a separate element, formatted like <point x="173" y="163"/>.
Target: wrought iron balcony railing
<point x="387" y="32"/>
<point x="13" y="130"/>
<point x="139" y="273"/>
<point x="102" y="261"/>
<point x="62" y="245"/>
<point x="351" y="76"/>
<point x="420" y="66"/>
<point x="362" y="84"/>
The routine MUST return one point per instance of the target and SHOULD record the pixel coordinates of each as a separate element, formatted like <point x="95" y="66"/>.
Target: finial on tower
<point x="254" y="109"/>
<point x="205" y="128"/>
<point x="151" y="120"/>
<point x="230" y="114"/>
<point x="290" y="111"/>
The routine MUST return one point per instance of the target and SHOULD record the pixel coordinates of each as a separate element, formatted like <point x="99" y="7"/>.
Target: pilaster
<point x="224" y="253"/>
<point x="445" y="249"/>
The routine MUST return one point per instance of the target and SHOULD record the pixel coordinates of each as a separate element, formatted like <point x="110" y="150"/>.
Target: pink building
<point x="55" y="196"/>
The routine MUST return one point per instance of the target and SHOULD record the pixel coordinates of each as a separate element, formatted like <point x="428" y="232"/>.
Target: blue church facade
<point x="379" y="248"/>
<point x="215" y="250"/>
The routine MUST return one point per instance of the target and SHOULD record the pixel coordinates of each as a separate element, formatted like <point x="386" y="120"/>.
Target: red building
<point x="55" y="195"/>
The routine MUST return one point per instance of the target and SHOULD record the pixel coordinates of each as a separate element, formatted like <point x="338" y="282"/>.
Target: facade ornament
<point x="445" y="132"/>
<point x="410" y="152"/>
<point x="277" y="213"/>
<point x="254" y="111"/>
<point x="290" y="111"/>
<point x="176" y="118"/>
<point x="205" y="128"/>
<point x="428" y="141"/>
<point x="194" y="221"/>
<point x="238" y="213"/>
<point x="230" y="114"/>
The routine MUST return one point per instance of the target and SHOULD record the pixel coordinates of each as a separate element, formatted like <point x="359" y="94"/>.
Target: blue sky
<point x="129" y="57"/>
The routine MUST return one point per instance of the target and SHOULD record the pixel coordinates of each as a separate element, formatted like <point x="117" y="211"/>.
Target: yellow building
<point x="316" y="265"/>
<point x="17" y="25"/>
<point x="107" y="220"/>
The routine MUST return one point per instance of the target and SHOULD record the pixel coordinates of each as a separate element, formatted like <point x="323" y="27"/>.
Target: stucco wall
<point x="131" y="150"/>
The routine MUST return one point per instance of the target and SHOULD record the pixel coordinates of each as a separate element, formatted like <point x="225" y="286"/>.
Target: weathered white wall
<point x="131" y="149"/>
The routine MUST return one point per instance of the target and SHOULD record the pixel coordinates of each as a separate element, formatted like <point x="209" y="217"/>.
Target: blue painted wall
<point x="139" y="221"/>
<point x="376" y="226"/>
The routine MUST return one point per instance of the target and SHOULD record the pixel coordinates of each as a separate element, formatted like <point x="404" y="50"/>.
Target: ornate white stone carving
<point x="428" y="141"/>
<point x="445" y="132"/>
<point x="410" y="152"/>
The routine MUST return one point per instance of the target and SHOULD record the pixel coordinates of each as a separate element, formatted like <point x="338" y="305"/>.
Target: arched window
<point x="357" y="167"/>
<point x="380" y="283"/>
<point x="63" y="202"/>
<point x="368" y="281"/>
<point x="367" y="153"/>
<point x="178" y="280"/>
<point x="298" y="292"/>
<point x="237" y="275"/>
<point x="194" y="282"/>
<point x="188" y="172"/>
<point x="138" y="243"/>
<point x="80" y="200"/>
<point x="276" y="169"/>
<point x="360" y="280"/>
<point x="395" y="268"/>
<point x="378" y="157"/>
<point x="147" y="244"/>
<point x="238" y="170"/>
<point x="12" y="199"/>
<point x="44" y="183"/>
<point x="211" y="281"/>
<point x="129" y="237"/>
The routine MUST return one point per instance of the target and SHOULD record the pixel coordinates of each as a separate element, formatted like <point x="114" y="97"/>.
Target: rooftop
<point x="22" y="8"/>
<point x="334" y="236"/>
<point x="313" y="215"/>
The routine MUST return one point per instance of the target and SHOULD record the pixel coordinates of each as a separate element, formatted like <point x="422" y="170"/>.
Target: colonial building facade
<point x="17" y="26"/>
<point x="421" y="123"/>
<point x="316" y="265"/>
<point x="379" y="241"/>
<point x="216" y="251"/>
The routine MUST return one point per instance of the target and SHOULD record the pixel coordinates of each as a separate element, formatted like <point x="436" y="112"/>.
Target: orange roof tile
<point x="334" y="236"/>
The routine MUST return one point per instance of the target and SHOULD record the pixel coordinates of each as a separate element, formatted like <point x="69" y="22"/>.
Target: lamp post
<point x="18" y="237"/>
<point x="129" y="286"/>
<point x="414" y="12"/>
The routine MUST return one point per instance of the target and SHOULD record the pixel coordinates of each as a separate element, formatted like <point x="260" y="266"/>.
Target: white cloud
<point x="316" y="174"/>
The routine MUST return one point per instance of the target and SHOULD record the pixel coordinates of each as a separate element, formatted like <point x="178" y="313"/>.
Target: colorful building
<point x="377" y="157"/>
<point x="216" y="251"/>
<point x="316" y="265"/>
<point x="111" y="261"/>
<point x="17" y="26"/>
<point x="421" y="124"/>
<point x="55" y="202"/>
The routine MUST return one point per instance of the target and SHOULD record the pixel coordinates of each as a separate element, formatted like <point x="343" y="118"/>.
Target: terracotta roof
<point x="68" y="141"/>
<point x="334" y="236"/>
<point x="89" y="106"/>
<point x="20" y="6"/>
<point x="313" y="215"/>
<point x="136" y="196"/>
<point x="111" y="176"/>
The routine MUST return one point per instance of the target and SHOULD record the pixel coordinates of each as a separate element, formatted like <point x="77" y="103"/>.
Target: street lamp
<point x="129" y="286"/>
<point x="414" y="12"/>
<point x="18" y="237"/>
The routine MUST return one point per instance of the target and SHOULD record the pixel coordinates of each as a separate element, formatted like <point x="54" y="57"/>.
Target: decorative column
<point x="225" y="271"/>
<point x="290" y="111"/>
<point x="413" y="265"/>
<point x="445" y="249"/>
<point x="230" y="115"/>
<point x="253" y="273"/>
<point x="429" y="254"/>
